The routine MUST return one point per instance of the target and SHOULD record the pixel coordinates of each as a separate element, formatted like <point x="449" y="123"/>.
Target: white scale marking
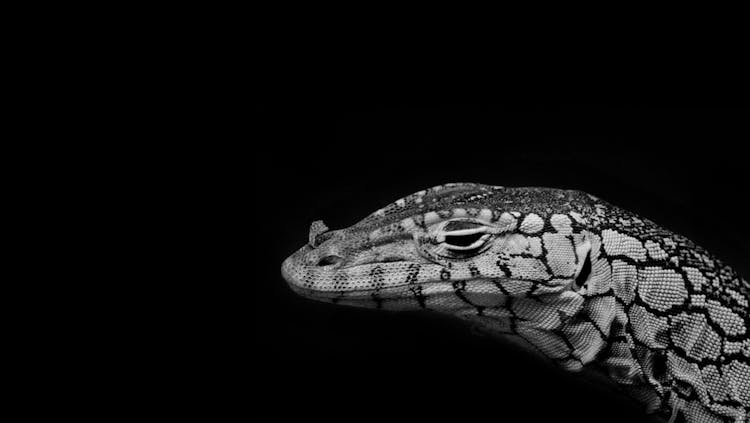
<point x="430" y="218"/>
<point x="532" y="224"/>
<point x="561" y="223"/>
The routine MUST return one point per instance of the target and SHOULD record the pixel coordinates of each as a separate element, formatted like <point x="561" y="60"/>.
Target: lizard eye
<point x="465" y="242"/>
<point x="463" y="236"/>
<point x="460" y="241"/>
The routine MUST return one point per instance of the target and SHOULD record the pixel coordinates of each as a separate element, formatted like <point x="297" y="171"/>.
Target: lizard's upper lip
<point x="304" y="273"/>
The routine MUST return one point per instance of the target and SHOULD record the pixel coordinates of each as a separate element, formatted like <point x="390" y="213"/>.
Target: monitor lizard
<point x="579" y="280"/>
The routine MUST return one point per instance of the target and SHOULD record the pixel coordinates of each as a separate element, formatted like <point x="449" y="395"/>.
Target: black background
<point x="683" y="167"/>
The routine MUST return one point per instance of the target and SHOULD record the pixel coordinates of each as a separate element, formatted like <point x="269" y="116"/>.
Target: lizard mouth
<point x="328" y="276"/>
<point x="392" y="283"/>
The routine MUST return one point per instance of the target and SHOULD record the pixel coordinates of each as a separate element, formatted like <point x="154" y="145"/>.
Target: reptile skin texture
<point x="581" y="281"/>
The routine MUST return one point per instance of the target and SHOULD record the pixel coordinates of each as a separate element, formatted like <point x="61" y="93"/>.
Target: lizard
<point x="578" y="280"/>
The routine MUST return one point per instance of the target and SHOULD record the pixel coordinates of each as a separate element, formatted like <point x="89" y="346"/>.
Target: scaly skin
<point x="582" y="281"/>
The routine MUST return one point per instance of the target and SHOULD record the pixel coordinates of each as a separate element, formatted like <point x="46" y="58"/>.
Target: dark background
<point x="684" y="167"/>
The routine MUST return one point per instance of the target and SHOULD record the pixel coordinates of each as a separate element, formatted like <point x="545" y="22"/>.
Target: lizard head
<point x="453" y="248"/>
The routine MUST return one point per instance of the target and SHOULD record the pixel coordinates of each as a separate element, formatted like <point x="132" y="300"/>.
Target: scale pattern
<point x="582" y="282"/>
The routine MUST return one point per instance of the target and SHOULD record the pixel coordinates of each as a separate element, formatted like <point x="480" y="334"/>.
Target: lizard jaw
<point x="306" y="273"/>
<point x="412" y="284"/>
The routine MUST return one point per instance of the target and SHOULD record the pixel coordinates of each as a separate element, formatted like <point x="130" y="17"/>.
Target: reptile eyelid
<point x="465" y="232"/>
<point x="476" y="244"/>
<point x="461" y="232"/>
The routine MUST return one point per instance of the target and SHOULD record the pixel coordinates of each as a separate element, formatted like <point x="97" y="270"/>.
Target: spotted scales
<point x="578" y="280"/>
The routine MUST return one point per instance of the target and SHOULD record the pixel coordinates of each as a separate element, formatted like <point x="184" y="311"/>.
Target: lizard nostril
<point x="329" y="260"/>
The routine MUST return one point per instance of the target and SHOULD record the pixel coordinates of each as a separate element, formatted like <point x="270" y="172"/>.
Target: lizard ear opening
<point x="584" y="273"/>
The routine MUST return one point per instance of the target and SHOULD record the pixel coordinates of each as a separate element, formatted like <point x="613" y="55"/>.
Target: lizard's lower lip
<point x="299" y="274"/>
<point x="352" y="295"/>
